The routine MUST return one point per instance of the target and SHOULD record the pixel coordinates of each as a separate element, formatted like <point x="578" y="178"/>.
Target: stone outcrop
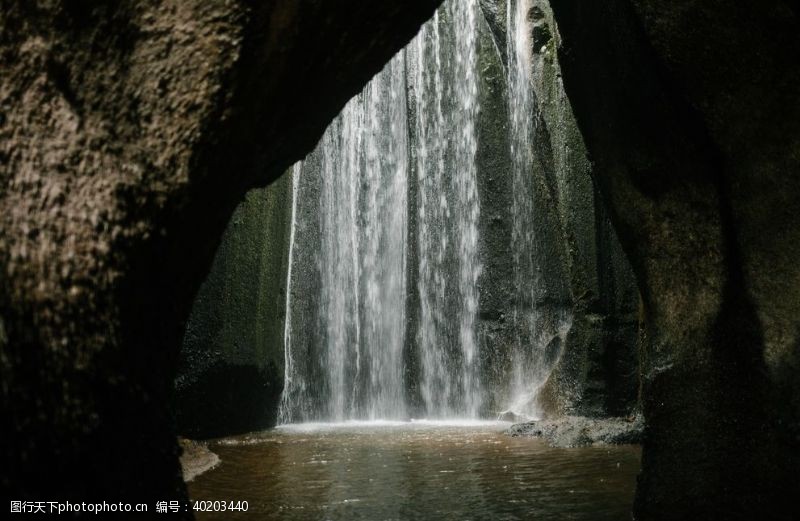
<point x="129" y="132"/>
<point x="689" y="112"/>
<point x="579" y="431"/>
<point x="196" y="459"/>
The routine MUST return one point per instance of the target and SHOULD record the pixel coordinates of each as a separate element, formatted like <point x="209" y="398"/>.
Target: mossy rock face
<point x="494" y="325"/>
<point x="585" y="274"/>
<point x="495" y="14"/>
<point x="230" y="374"/>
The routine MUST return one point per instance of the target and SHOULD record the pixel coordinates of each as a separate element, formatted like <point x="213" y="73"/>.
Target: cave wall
<point x="585" y="274"/>
<point x="689" y="111"/>
<point x="494" y="184"/>
<point x="230" y="371"/>
<point x="129" y="133"/>
<point x="598" y="374"/>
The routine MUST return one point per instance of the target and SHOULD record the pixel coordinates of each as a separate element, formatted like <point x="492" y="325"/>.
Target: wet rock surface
<point x="230" y="369"/>
<point x="584" y="272"/>
<point x="196" y="458"/>
<point x="579" y="431"/>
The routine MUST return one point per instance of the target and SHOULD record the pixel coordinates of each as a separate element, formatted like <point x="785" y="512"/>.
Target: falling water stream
<point x="446" y="108"/>
<point x="535" y="329"/>
<point x="526" y="355"/>
<point x="383" y="323"/>
<point x="365" y="162"/>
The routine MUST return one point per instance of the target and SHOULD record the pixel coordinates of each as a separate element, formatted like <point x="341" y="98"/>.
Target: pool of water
<point x="417" y="470"/>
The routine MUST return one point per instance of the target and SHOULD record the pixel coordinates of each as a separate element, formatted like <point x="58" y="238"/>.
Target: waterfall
<point x="385" y="234"/>
<point x="354" y="363"/>
<point x="521" y="130"/>
<point x="362" y="163"/>
<point x="433" y="212"/>
<point x="468" y="210"/>
<point x="446" y="108"/>
<point x="293" y="382"/>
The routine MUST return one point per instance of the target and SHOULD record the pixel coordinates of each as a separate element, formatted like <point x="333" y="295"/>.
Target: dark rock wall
<point x="585" y="275"/>
<point x="598" y="373"/>
<point x="129" y="132"/>
<point x="494" y="176"/>
<point x="230" y="372"/>
<point x="689" y="111"/>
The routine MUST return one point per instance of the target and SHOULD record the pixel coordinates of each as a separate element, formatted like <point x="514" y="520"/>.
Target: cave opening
<point x="440" y="267"/>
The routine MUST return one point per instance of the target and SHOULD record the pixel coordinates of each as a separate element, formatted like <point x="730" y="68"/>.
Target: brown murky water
<point x="416" y="471"/>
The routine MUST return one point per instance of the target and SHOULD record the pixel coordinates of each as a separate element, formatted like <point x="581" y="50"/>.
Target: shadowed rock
<point x="129" y="131"/>
<point x="689" y="111"/>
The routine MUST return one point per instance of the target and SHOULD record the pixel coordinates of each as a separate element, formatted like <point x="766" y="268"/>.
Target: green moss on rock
<point x="231" y="368"/>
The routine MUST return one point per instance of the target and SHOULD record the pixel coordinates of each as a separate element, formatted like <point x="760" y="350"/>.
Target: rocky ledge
<point x="579" y="431"/>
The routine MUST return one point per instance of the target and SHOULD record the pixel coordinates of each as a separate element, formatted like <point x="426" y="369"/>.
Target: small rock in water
<point x="513" y="417"/>
<point x="578" y="431"/>
<point x="196" y="458"/>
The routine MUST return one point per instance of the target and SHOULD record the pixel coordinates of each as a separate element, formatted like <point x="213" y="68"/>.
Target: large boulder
<point x="129" y="131"/>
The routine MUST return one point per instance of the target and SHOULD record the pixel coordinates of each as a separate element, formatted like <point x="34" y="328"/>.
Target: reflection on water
<point x="416" y="471"/>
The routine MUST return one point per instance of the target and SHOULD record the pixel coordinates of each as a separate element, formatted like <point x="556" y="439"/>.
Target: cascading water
<point x="521" y="109"/>
<point x="363" y="167"/>
<point x="361" y="294"/>
<point x="468" y="210"/>
<point x="293" y="380"/>
<point x="446" y="108"/>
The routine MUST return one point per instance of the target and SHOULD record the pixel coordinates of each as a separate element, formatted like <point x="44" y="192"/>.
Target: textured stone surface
<point x="196" y="458"/>
<point x="129" y="131"/>
<point x="494" y="182"/>
<point x="689" y="111"/>
<point x="230" y="372"/>
<point x="579" y="431"/>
